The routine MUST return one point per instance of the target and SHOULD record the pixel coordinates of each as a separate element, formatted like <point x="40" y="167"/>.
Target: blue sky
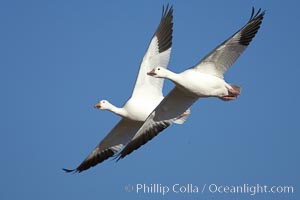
<point x="58" y="58"/>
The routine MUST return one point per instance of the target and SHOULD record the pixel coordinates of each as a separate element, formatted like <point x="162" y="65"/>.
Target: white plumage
<point x="146" y="95"/>
<point x="206" y="79"/>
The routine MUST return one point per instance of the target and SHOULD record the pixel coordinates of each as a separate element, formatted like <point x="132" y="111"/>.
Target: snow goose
<point x="203" y="80"/>
<point x="146" y="95"/>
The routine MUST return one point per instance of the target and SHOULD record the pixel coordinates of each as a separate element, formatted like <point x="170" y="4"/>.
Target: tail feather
<point x="236" y="88"/>
<point x="233" y="92"/>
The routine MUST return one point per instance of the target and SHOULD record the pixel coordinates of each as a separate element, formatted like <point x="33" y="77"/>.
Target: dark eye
<point x="158" y="68"/>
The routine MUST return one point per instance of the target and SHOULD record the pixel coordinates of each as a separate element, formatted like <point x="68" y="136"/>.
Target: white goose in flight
<point x="203" y="80"/>
<point x="147" y="94"/>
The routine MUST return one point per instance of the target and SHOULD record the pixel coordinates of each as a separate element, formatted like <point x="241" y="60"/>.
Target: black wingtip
<point x="169" y="9"/>
<point x="252" y="12"/>
<point x="256" y="15"/>
<point x="117" y="156"/>
<point x="165" y="29"/>
<point x="69" y="170"/>
<point x="249" y="31"/>
<point x="122" y="155"/>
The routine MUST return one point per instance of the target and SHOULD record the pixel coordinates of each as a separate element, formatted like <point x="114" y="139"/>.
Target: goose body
<point x="138" y="109"/>
<point x="199" y="84"/>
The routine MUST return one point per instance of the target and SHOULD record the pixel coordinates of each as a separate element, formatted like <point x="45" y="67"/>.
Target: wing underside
<point x="221" y="58"/>
<point x="172" y="107"/>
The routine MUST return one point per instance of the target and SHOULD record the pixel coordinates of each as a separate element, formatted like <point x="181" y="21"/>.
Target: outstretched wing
<point x="119" y="136"/>
<point x="172" y="107"/>
<point x="158" y="54"/>
<point x="221" y="58"/>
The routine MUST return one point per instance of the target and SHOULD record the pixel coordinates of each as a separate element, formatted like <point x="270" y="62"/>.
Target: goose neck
<point x="119" y="111"/>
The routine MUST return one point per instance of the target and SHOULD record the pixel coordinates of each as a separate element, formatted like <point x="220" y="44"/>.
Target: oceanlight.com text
<point x="249" y="189"/>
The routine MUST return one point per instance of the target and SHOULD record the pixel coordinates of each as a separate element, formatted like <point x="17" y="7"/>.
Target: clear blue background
<point x="58" y="58"/>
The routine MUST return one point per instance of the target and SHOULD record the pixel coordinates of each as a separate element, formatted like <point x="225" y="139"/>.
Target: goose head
<point x="103" y="105"/>
<point x="159" y="72"/>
